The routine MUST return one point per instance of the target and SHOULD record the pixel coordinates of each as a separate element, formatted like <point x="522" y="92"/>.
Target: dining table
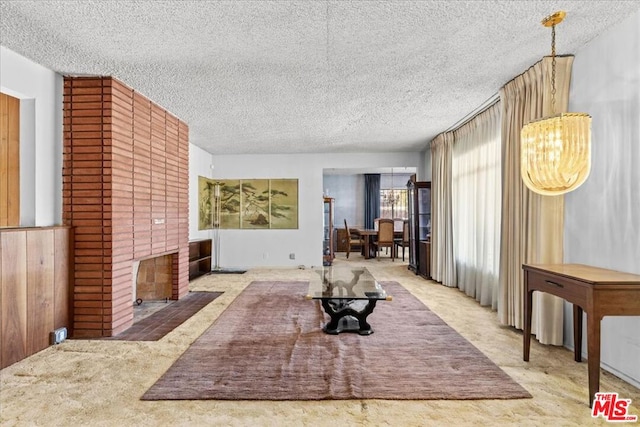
<point x="368" y="249"/>
<point x="369" y="234"/>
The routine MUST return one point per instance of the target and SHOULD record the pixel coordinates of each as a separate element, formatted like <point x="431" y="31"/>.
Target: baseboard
<point x="626" y="378"/>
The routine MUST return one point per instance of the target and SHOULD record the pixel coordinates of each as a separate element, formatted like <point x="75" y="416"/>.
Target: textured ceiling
<point x="304" y="76"/>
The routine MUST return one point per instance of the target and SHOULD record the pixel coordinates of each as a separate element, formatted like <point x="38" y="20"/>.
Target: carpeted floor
<point x="269" y="345"/>
<point x="99" y="383"/>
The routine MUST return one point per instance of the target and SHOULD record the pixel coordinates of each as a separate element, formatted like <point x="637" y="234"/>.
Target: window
<point x="393" y="203"/>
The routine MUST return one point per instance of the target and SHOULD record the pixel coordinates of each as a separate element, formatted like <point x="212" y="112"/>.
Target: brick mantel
<point x="125" y="192"/>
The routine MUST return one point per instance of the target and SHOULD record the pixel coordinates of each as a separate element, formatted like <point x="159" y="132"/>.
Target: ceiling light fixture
<point x="391" y="197"/>
<point x="556" y="150"/>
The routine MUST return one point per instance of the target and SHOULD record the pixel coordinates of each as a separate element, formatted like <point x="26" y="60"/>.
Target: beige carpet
<point x="269" y="345"/>
<point x="99" y="382"/>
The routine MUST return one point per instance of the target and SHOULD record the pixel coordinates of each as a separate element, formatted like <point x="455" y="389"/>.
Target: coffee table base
<point x="346" y="317"/>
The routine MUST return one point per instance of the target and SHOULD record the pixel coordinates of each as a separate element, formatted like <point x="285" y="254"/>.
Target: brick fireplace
<point x="125" y="193"/>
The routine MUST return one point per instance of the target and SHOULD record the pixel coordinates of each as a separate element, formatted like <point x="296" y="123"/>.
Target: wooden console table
<point x="597" y="291"/>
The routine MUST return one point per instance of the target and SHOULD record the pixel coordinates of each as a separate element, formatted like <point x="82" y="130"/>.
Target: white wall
<point x="602" y="217"/>
<point x="348" y="194"/>
<point x="424" y="172"/>
<point x="250" y="248"/>
<point x="40" y="92"/>
<point x="199" y="165"/>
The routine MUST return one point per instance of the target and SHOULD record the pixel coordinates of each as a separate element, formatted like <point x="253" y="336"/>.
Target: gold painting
<point x="255" y="202"/>
<point x="284" y="203"/>
<point x="205" y="203"/>
<point x="229" y="203"/>
<point x="249" y="204"/>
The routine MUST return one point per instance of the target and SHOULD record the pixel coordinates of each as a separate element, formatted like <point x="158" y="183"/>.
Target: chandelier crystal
<point x="391" y="197"/>
<point x="556" y="150"/>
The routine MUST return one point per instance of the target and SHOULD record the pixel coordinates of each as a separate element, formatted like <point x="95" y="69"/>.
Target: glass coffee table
<point x="348" y="295"/>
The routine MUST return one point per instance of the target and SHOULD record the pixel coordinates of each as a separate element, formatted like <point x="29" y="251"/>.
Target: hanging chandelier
<point x="391" y="197"/>
<point x="556" y="150"/>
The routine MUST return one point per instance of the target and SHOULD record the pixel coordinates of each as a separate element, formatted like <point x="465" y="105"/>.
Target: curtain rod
<point x="484" y="106"/>
<point x="492" y="100"/>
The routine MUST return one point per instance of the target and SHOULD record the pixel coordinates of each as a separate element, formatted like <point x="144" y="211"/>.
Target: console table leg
<point x="593" y="355"/>
<point x="526" y="333"/>
<point x="577" y="333"/>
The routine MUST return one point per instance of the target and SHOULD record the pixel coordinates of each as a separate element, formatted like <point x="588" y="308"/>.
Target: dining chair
<point x="385" y="236"/>
<point x="354" y="239"/>
<point x="404" y="240"/>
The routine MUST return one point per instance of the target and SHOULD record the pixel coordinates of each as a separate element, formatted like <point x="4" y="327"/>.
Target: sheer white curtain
<point x="476" y="205"/>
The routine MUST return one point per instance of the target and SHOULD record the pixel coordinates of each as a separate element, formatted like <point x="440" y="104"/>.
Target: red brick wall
<point x="125" y="192"/>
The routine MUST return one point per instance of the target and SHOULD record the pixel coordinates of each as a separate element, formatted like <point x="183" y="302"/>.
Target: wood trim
<point x="9" y="161"/>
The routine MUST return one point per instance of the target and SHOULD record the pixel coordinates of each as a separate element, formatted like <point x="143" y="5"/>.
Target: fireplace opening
<point x="154" y="279"/>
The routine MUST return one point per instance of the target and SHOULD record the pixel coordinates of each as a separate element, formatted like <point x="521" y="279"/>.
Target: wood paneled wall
<point x="125" y="192"/>
<point x="34" y="289"/>
<point x="9" y="161"/>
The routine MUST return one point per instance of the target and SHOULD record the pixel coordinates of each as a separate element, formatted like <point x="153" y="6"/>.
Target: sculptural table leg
<point x="342" y="313"/>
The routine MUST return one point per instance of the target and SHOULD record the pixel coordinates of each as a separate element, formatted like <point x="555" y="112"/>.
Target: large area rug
<point x="268" y="345"/>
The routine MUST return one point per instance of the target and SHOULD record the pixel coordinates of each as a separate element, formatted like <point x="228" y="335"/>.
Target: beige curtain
<point x="476" y="185"/>
<point x="442" y="260"/>
<point x="532" y="226"/>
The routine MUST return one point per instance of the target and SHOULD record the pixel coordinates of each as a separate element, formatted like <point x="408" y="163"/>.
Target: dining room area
<point x="379" y="213"/>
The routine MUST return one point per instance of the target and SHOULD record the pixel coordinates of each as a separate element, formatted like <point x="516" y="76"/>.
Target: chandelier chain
<point x="553" y="70"/>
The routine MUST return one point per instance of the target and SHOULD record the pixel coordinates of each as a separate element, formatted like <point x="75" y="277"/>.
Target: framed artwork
<point x="205" y="203"/>
<point x="249" y="203"/>
<point x="230" y="203"/>
<point x="254" y="203"/>
<point x="284" y="203"/>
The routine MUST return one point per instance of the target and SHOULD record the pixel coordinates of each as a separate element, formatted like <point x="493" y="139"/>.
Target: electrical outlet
<point x="292" y="256"/>
<point x="58" y="335"/>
